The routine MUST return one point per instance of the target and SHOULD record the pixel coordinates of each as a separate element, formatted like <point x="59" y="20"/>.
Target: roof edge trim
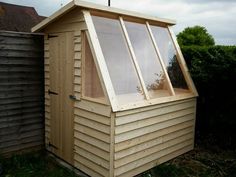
<point x="53" y="17"/>
<point x="94" y="6"/>
<point x="122" y="12"/>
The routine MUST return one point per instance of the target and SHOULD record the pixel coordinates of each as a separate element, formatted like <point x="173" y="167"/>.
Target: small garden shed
<point x="118" y="95"/>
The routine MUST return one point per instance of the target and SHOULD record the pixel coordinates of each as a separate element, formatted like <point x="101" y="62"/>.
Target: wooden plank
<point x="33" y="62"/>
<point x="151" y="157"/>
<point x="24" y="35"/>
<point x="77" y="88"/>
<point x="86" y="5"/>
<point x="77" y="39"/>
<point x="46" y="68"/>
<point x="153" y="149"/>
<point x="77" y="72"/>
<point x="77" y="47"/>
<point x="154" y="163"/>
<point x="47" y="102"/>
<point x="113" y="10"/>
<point x="22" y="148"/>
<point x="20" y="54"/>
<point x="21" y="105"/>
<point x="155" y="101"/>
<point x="112" y="145"/>
<point x="67" y="78"/>
<point x="85" y="169"/>
<point x="100" y="61"/>
<point x="93" y="133"/>
<point x="91" y="148"/>
<point x="155" y="111"/>
<point x="59" y="27"/>
<point x="77" y="55"/>
<point x="134" y="59"/>
<point x="153" y="142"/>
<point x="17" y="47"/>
<point x="78" y="32"/>
<point x="11" y="138"/>
<point x="77" y="64"/>
<point x="92" y="124"/>
<point x="92" y="141"/>
<point x="149" y="129"/>
<point x="21" y="91"/>
<point x="54" y="68"/>
<point x="182" y="63"/>
<point x="91" y="165"/>
<point x="92" y="116"/>
<point x="195" y="115"/>
<point x="153" y="120"/>
<point x="93" y="157"/>
<point x="93" y="107"/>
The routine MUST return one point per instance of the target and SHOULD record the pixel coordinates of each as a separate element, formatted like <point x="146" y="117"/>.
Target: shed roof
<point x="88" y="5"/>
<point x="18" y="18"/>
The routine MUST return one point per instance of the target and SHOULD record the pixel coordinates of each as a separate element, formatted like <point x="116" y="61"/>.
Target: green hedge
<point x="213" y="70"/>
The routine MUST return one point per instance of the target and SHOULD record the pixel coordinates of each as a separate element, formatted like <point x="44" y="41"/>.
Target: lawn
<point x="35" y="164"/>
<point x="197" y="163"/>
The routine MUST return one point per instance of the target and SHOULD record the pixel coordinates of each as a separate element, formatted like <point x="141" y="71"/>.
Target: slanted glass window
<point x="148" y="60"/>
<point x="92" y="86"/>
<point x="139" y="62"/>
<point x="118" y="60"/>
<point x="169" y="56"/>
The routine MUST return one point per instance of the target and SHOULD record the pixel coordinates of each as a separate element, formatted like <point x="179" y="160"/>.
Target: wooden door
<point x="61" y="46"/>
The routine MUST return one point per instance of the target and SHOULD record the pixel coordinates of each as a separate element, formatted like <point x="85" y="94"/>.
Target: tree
<point x="196" y="35"/>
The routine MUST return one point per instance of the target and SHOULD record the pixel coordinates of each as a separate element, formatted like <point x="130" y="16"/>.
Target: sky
<point x="217" y="16"/>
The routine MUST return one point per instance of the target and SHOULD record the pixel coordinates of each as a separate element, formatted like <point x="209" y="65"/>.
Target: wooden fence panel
<point x="21" y="91"/>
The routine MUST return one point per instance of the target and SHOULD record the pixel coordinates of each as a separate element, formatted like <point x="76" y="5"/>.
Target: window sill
<point x="155" y="101"/>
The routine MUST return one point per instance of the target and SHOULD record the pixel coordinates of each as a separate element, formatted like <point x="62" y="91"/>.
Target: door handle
<point x="50" y="92"/>
<point x="72" y="97"/>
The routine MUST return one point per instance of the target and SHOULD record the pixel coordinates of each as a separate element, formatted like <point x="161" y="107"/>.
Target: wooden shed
<point x="119" y="99"/>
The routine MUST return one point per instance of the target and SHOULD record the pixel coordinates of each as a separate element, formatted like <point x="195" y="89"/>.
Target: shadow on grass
<point x="37" y="164"/>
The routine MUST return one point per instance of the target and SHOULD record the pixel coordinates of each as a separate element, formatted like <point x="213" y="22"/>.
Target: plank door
<point x="61" y="47"/>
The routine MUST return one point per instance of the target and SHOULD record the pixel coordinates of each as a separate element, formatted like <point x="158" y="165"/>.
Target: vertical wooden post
<point x="172" y="92"/>
<point x="134" y="58"/>
<point x="100" y="61"/>
<point x="182" y="63"/>
<point x="112" y="145"/>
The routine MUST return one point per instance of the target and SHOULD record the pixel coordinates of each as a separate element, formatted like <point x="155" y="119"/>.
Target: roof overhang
<point x="92" y="6"/>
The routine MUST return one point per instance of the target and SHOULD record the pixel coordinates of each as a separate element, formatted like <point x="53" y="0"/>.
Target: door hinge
<point x="51" y="36"/>
<point x="51" y="92"/>
<point x="51" y="145"/>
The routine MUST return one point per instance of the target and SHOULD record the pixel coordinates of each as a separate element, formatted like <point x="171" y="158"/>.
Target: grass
<point x="36" y="164"/>
<point x="197" y="163"/>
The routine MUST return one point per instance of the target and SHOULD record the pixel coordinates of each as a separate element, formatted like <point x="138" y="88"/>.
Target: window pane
<point x="148" y="61"/>
<point x="92" y="85"/>
<point x="169" y="55"/>
<point x="119" y="62"/>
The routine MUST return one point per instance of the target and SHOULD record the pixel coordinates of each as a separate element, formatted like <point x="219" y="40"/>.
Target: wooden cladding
<point x="145" y="137"/>
<point x="117" y="135"/>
